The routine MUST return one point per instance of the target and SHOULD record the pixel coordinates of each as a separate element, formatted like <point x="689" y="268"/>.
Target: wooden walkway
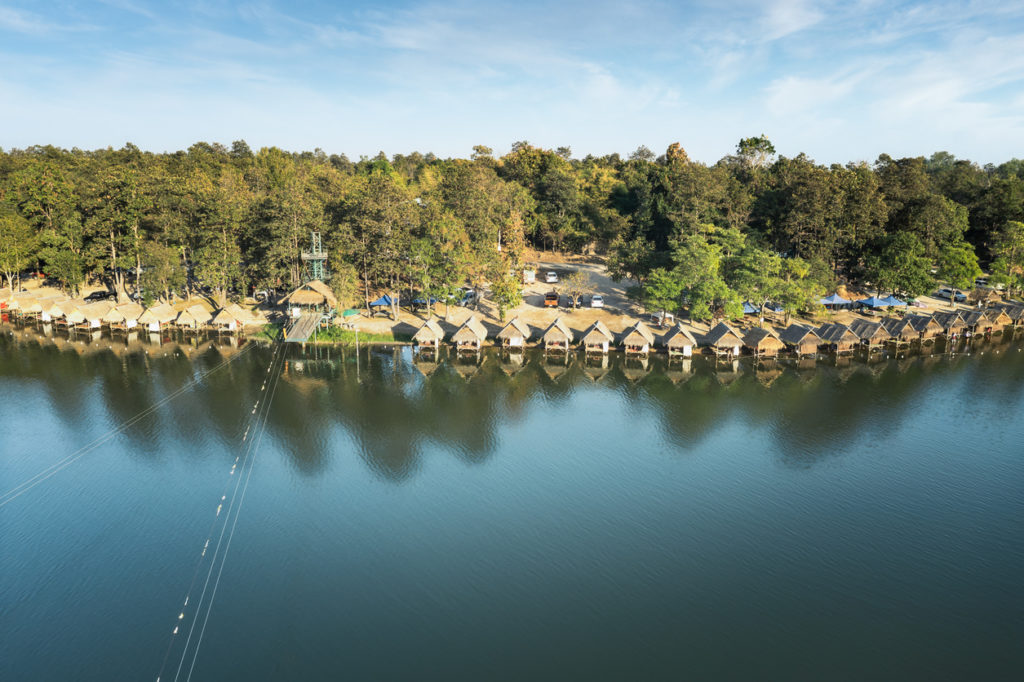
<point x="302" y="328"/>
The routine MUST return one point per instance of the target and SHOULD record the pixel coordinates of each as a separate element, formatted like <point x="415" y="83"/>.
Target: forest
<point x="755" y="226"/>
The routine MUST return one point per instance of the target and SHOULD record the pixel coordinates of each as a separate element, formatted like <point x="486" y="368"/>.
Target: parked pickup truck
<point x="551" y="299"/>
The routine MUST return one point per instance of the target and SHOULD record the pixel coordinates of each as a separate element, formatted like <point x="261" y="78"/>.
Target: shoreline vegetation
<point x="213" y="227"/>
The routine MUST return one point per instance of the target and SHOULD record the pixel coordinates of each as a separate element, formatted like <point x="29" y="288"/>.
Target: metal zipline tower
<point x="315" y="260"/>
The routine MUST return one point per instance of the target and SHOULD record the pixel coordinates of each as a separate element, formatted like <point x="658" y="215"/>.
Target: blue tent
<point x="382" y="301"/>
<point x="893" y="301"/>
<point x="774" y="307"/>
<point x="833" y="299"/>
<point x="749" y="308"/>
<point x="874" y="302"/>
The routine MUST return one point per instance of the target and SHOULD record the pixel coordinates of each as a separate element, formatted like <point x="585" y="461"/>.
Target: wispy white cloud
<point x="29" y="23"/>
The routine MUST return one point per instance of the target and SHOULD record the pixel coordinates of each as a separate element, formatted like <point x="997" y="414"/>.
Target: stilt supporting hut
<point x="155" y="318"/>
<point x="724" y="341"/>
<point x="193" y="318"/>
<point x="679" y="342"/>
<point x="873" y="335"/>
<point x="597" y="338"/>
<point x="429" y="335"/>
<point x="514" y="334"/>
<point x="470" y="336"/>
<point x="558" y="336"/>
<point x="763" y="342"/>
<point x="637" y="339"/>
<point x="837" y="338"/>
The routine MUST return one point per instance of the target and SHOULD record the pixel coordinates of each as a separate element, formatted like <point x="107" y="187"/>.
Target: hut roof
<point x="837" y="333"/>
<point x="867" y="330"/>
<point x="96" y="311"/>
<point x="762" y="337"/>
<point x="123" y="312"/>
<point x="950" y="319"/>
<point x="470" y="330"/>
<point x="898" y="326"/>
<point x="921" y="323"/>
<point x="597" y="332"/>
<point x="558" y="329"/>
<point x="1015" y="312"/>
<point x="723" y="335"/>
<point x="796" y="334"/>
<point x="974" y="317"/>
<point x="998" y="316"/>
<point x="513" y="327"/>
<point x="195" y="314"/>
<point x="161" y="313"/>
<point x="312" y="293"/>
<point x="56" y="308"/>
<point x="678" y="337"/>
<point x="430" y="331"/>
<point x="640" y="329"/>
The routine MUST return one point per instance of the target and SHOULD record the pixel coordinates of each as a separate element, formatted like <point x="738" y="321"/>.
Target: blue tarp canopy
<point x="874" y="302"/>
<point x="775" y="307"/>
<point x="833" y="299"/>
<point x="749" y="308"/>
<point x="893" y="301"/>
<point x="383" y="300"/>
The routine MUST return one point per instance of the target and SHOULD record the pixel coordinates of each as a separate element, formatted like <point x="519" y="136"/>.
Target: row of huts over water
<point x="79" y="315"/>
<point x="725" y="341"/>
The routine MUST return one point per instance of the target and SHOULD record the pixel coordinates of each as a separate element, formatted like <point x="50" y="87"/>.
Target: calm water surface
<point x="415" y="521"/>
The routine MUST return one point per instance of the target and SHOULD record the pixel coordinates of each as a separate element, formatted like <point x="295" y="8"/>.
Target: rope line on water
<point x="22" y="488"/>
<point x="240" y="468"/>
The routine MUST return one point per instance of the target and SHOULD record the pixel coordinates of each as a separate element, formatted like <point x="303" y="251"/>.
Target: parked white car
<point x="951" y="295"/>
<point x="551" y="277"/>
<point x="597" y="301"/>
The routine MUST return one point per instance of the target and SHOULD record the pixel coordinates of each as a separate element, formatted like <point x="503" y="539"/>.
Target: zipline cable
<point x="22" y="488"/>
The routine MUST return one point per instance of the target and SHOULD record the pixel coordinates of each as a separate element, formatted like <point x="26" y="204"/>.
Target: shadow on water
<point x="391" y="400"/>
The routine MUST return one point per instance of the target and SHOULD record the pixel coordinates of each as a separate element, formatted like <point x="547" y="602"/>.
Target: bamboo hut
<point x="872" y="335"/>
<point x="1015" y="312"/>
<point x="123" y="317"/>
<point x="157" y="317"/>
<point x="470" y="335"/>
<point x="998" y="319"/>
<point x="926" y="327"/>
<point x="514" y="334"/>
<point x="193" y="318"/>
<point x="763" y="342"/>
<point x="314" y="295"/>
<point x="67" y="307"/>
<point x="52" y="310"/>
<point x="901" y="331"/>
<point x="638" y="339"/>
<point x="24" y="304"/>
<point x="837" y="338"/>
<point x="93" y="314"/>
<point x="557" y="336"/>
<point x="596" y="338"/>
<point x="723" y="340"/>
<point x="801" y="339"/>
<point x="952" y="323"/>
<point x="977" y="322"/>
<point x="679" y="342"/>
<point x="429" y="335"/>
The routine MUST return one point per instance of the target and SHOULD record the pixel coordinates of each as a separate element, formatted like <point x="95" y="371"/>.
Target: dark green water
<point x="859" y="522"/>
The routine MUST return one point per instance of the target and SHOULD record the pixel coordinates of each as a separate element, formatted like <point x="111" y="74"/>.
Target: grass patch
<point x="347" y="337"/>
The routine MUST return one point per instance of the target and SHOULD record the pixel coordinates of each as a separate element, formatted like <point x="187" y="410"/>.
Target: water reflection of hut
<point x="425" y="360"/>
<point x="429" y="335"/>
<point x="679" y="342"/>
<point x="466" y="365"/>
<point x="872" y="335"/>
<point x="596" y="338"/>
<point x="801" y="339"/>
<point x="514" y="334"/>
<point x="635" y="367"/>
<point x="470" y="336"/>
<point x="511" y="362"/>
<point x="596" y="366"/>
<point x="723" y="340"/>
<point x="638" y="339"/>
<point x="767" y="371"/>
<point x="193" y="318"/>
<point x="678" y="370"/>
<point x="558" y="336"/>
<point x="763" y="342"/>
<point x="156" y="317"/>
<point x="727" y="372"/>
<point x="556" y="365"/>
<point x="926" y="327"/>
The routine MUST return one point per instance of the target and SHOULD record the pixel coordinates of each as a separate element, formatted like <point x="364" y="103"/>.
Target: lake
<point x="385" y="519"/>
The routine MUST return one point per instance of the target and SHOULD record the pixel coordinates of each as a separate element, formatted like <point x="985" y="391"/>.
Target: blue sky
<point x="841" y="81"/>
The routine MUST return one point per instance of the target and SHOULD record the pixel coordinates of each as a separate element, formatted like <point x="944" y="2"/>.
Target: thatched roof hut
<point x="430" y="334"/>
<point x="952" y="323"/>
<point x="470" y="335"/>
<point x="313" y="294"/>
<point x="93" y="314"/>
<point x="557" y="336"/>
<point x="900" y="330"/>
<point x="679" y="341"/>
<point x="124" y="316"/>
<point x="977" y="322"/>
<point x="514" y="334"/>
<point x="53" y="309"/>
<point x="193" y="317"/>
<point x="638" y="339"/>
<point x="24" y="303"/>
<point x="999" y="319"/>
<point x="838" y="337"/>
<point x="1015" y="312"/>
<point x="597" y="338"/>
<point x="763" y="342"/>
<point x="871" y="334"/>
<point x="723" y="340"/>
<point x="926" y="326"/>
<point x="155" y="317"/>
